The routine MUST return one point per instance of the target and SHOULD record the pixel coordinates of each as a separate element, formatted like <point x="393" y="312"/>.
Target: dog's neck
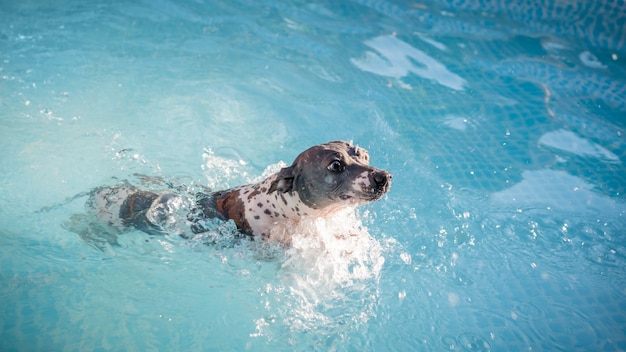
<point x="259" y="213"/>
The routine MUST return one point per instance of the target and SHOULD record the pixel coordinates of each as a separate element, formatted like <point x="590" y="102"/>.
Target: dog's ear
<point x="284" y="182"/>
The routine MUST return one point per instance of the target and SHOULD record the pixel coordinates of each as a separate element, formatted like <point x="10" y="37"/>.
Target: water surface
<point x="502" y="124"/>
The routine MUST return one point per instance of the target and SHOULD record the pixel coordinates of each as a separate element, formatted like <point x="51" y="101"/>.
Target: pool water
<point x="502" y="123"/>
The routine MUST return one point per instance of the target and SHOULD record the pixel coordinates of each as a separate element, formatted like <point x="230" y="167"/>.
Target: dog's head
<point x="333" y="174"/>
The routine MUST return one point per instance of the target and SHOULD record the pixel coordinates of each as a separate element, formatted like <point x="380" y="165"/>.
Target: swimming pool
<point x="502" y="123"/>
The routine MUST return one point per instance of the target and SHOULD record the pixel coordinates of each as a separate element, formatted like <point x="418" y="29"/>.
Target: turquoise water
<point x="502" y="123"/>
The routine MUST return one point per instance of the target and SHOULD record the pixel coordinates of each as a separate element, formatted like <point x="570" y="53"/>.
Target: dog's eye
<point x="335" y="166"/>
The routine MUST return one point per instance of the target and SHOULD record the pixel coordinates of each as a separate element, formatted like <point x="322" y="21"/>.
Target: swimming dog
<point x="322" y="180"/>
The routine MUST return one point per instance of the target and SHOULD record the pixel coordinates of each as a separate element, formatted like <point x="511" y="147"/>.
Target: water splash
<point x="327" y="281"/>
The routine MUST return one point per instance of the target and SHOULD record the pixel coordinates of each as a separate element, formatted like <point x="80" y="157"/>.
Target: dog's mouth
<point x="379" y="184"/>
<point x="364" y="193"/>
<point x="365" y="196"/>
<point x="376" y="194"/>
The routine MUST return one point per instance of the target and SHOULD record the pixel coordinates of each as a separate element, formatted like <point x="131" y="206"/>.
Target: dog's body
<point x="321" y="181"/>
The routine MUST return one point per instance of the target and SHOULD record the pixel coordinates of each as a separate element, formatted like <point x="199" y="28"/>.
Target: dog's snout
<point x="381" y="178"/>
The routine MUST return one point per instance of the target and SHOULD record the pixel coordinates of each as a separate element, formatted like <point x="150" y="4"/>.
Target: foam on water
<point x="328" y="278"/>
<point x="334" y="251"/>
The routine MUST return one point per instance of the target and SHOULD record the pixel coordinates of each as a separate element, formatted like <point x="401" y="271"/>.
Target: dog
<point x="322" y="180"/>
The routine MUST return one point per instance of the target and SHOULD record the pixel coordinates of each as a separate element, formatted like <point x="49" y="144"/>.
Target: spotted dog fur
<point x="321" y="181"/>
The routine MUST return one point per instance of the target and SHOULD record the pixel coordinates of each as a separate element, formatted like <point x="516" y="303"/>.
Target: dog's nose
<point x="381" y="178"/>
